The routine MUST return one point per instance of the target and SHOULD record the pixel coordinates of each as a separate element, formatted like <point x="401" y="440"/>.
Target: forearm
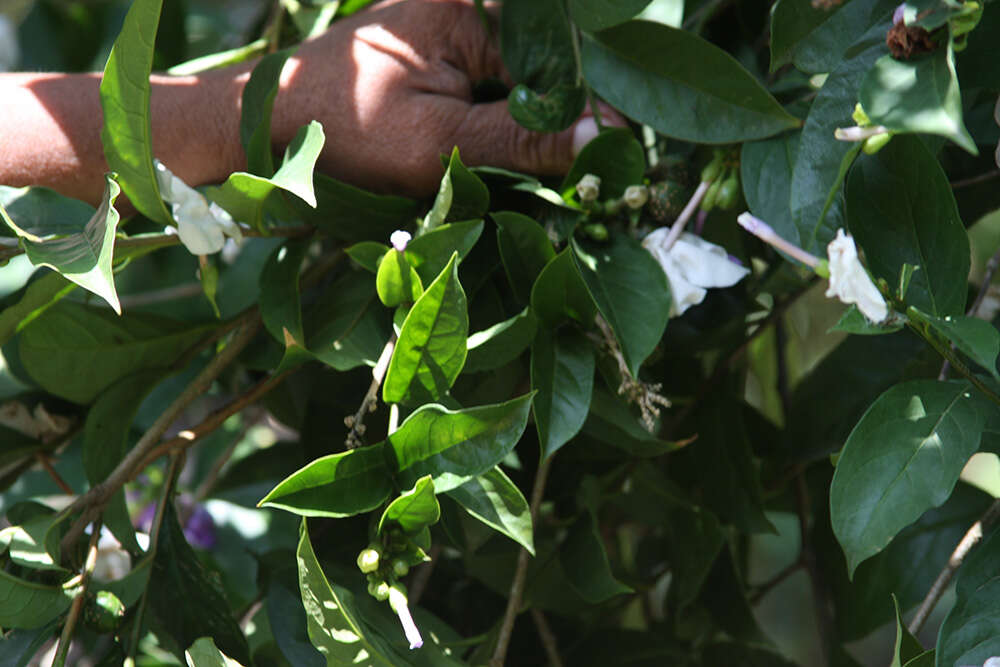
<point x="50" y="129"/>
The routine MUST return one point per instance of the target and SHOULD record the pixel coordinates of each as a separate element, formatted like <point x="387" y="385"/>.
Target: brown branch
<point x="369" y="403"/>
<point x="75" y="609"/>
<point x="547" y="637"/>
<point x="971" y="538"/>
<point x="975" y="180"/>
<point x="43" y="460"/>
<point x="521" y="573"/>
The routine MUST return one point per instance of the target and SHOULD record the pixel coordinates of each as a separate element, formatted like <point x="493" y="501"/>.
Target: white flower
<point x="399" y="239"/>
<point x="849" y="281"/>
<point x="992" y="662"/>
<point x="397" y="600"/>
<point x="201" y="226"/>
<point x="10" y="51"/>
<point x="588" y="188"/>
<point x="692" y="264"/>
<point x="636" y="196"/>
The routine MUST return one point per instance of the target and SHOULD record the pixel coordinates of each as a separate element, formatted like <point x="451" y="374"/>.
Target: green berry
<point x="368" y="560"/>
<point x="399" y="567"/>
<point x="596" y="231"/>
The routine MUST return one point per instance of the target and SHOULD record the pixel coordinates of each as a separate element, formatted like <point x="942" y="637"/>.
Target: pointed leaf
<point x="610" y="421"/>
<point x="367" y="254"/>
<point x="431" y="349"/>
<point x="255" y="112"/>
<point x="397" y="281"/>
<point x="21" y="307"/>
<point x="337" y="485"/>
<point x="453" y="446"/>
<point x="493" y="499"/>
<point x="970" y="634"/>
<point x="351" y="214"/>
<point x="903" y="457"/>
<point x="592" y="15"/>
<point x="27" y="604"/>
<point x="680" y="84"/>
<point x="461" y="196"/>
<point x="414" y="510"/>
<point x="347" y="327"/>
<point x="614" y="156"/>
<point x="525" y="249"/>
<point x="562" y="376"/>
<point x="430" y="252"/>
<point x="536" y="42"/>
<point x="824" y="46"/>
<point x="501" y="343"/>
<point x="907" y="646"/>
<point x="560" y="293"/>
<point x="586" y="565"/>
<point x="975" y="337"/>
<point x="126" y="134"/>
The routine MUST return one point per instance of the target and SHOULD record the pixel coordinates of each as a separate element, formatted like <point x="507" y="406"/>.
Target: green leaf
<point x="853" y="322"/>
<point x="822" y="160"/>
<point x="397" y="281"/>
<point x="970" y="633"/>
<point x="431" y="350"/>
<point x="766" y="171"/>
<point x="919" y="95"/>
<point x="347" y="327"/>
<point x="414" y="510"/>
<point x="204" y="653"/>
<point x="562" y="376"/>
<point x="55" y="234"/>
<point x="186" y="597"/>
<point x="501" y="343"/>
<point x="126" y="133"/>
<point x="525" y="249"/>
<point x="28" y="605"/>
<point x="631" y="291"/>
<point x="280" y="305"/>
<point x="907" y="646"/>
<point x="35" y="543"/>
<point x="901" y="459"/>
<point x="453" y="446"/>
<point x="461" y="196"/>
<point x="105" y="443"/>
<point x="901" y="210"/>
<point x="429" y="253"/>
<point x="337" y="485"/>
<point x="31" y="301"/>
<point x="60" y="350"/>
<point x="593" y="15"/>
<point x="975" y="337"/>
<point x="680" y="84"/>
<point x="554" y="111"/>
<point x="351" y="214"/>
<point x="791" y="22"/>
<point x="367" y="254"/>
<point x="255" y="111"/>
<point x="536" y="42"/>
<point x="560" y="293"/>
<point x="823" y="48"/>
<point x="610" y="421"/>
<point x="586" y="565"/>
<point x="335" y="628"/>
<point x="614" y="156"/>
<point x="495" y="500"/>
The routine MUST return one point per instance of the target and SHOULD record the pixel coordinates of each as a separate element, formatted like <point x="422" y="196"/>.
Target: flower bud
<point x="368" y="560"/>
<point x="399" y="567"/>
<point x="588" y="188"/>
<point x="636" y="196"/>
<point x="596" y="231"/>
<point x="729" y="192"/>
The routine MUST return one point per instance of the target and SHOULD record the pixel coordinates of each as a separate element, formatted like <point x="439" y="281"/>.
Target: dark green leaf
<point x="335" y="486"/>
<point x="970" y="633"/>
<point x="560" y="293"/>
<point x="614" y="156"/>
<point x="279" y="293"/>
<point x="766" y="171"/>
<point x="525" y="249"/>
<point x="824" y="46"/>
<point x="255" y="112"/>
<point x="430" y="252"/>
<point x="919" y="95"/>
<point x="350" y="214"/>
<point x="630" y="289"/>
<point x="28" y="605"/>
<point x="31" y="301"/>
<point x="185" y="596"/>
<point x="975" y="337"/>
<point x="901" y="211"/>
<point x="907" y="646"/>
<point x="431" y="348"/>
<point x="461" y="196"/>
<point x="536" y="42"/>
<point x="791" y="22"/>
<point x="853" y="322"/>
<point x="204" y="653"/>
<point x="35" y="543"/>
<point x="501" y="343"/>
<point x="126" y="134"/>
<point x="553" y="111"/>
<point x="902" y="458"/>
<point x="586" y="564"/>
<point x="493" y="499"/>
<point x="593" y="15"/>
<point x="75" y="351"/>
<point x="610" y="421"/>
<point x="562" y="376"/>
<point x="453" y="446"/>
<point x="680" y="84"/>
<point x="414" y="510"/>
<point x="347" y="327"/>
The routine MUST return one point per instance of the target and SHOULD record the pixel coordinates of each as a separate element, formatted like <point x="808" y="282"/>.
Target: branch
<point x="971" y="538"/>
<point x="521" y="573"/>
<point x="547" y="637"/>
<point x="66" y="637"/>
<point x="369" y="403"/>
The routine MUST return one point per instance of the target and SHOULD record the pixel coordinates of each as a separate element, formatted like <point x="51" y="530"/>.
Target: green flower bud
<point x="729" y="192"/>
<point x="399" y="567"/>
<point x="711" y="197"/>
<point x="874" y="144"/>
<point x="596" y="231"/>
<point x="381" y="592"/>
<point x="636" y="196"/>
<point x="713" y="169"/>
<point x="368" y="560"/>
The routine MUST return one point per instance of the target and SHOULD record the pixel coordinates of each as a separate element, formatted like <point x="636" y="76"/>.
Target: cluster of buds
<point x="722" y="175"/>
<point x="383" y="571"/>
<point x="873" y="136"/>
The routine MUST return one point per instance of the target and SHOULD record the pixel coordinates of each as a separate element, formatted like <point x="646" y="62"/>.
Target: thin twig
<point x="75" y="609"/>
<point x="547" y="637"/>
<point x="220" y="462"/>
<point x="775" y="581"/>
<point x="418" y="583"/>
<point x="369" y="403"/>
<point x="824" y="617"/>
<point x="521" y="573"/>
<point x="971" y="538"/>
<point x="975" y="180"/>
<point x="43" y="460"/>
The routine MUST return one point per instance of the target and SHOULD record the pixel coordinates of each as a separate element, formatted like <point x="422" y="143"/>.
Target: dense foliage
<point x="517" y="410"/>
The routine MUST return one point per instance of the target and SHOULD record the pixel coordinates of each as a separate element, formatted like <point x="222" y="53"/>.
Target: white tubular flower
<point x="398" y="603"/>
<point x="588" y="188"/>
<point x="692" y="265"/>
<point x="399" y="239"/>
<point x="201" y="226"/>
<point x="849" y="281"/>
<point x="636" y="196"/>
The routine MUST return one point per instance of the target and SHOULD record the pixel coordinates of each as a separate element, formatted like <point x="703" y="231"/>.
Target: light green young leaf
<point x="562" y="376"/>
<point x="367" y="254"/>
<point x="903" y="457"/>
<point x="34" y="544"/>
<point x="396" y="280"/>
<point x="126" y="134"/>
<point x="431" y="349"/>
<point x="493" y="499"/>
<point x="337" y="485"/>
<point x="414" y="510"/>
<point x="453" y="446"/>
<point x="680" y="84"/>
<point x="54" y="234"/>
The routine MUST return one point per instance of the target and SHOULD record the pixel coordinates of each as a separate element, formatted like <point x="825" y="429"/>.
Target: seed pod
<point x="729" y="192"/>
<point x="666" y="200"/>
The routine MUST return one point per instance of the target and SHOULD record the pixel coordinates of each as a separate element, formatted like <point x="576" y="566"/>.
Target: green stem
<point x="953" y="359"/>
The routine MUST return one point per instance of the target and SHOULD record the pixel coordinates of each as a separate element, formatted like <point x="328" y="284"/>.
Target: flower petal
<point x="849" y="281"/>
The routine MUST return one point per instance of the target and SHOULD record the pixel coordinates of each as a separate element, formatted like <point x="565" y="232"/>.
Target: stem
<point x="547" y="637"/>
<point x="418" y="584"/>
<point x="368" y="404"/>
<point x="975" y="180"/>
<point x="971" y="538"/>
<point x="955" y="362"/>
<point x="43" y="460"/>
<point x="682" y="219"/>
<point x="66" y="638"/>
<point x="213" y="475"/>
<point x="521" y="573"/>
<point x="824" y="619"/>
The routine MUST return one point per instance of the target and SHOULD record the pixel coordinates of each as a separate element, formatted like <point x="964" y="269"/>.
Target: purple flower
<point x="200" y="528"/>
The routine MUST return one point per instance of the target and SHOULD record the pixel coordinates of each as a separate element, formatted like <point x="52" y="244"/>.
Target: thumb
<point x="488" y="135"/>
